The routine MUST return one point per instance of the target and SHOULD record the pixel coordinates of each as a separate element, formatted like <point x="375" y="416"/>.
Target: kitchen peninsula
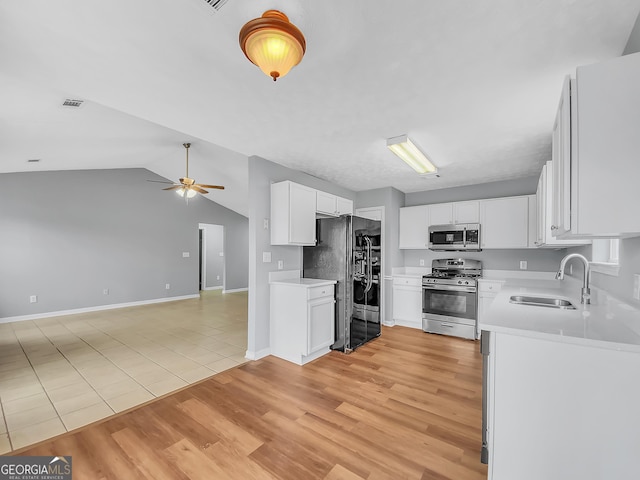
<point x="562" y="389"/>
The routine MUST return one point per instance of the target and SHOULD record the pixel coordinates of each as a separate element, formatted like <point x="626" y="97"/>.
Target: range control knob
<point x="466" y="283"/>
<point x="459" y="282"/>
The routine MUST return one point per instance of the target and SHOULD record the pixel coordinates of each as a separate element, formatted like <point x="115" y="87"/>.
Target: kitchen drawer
<point x="319" y="292"/>
<point x="408" y="281"/>
<point x="486" y="286"/>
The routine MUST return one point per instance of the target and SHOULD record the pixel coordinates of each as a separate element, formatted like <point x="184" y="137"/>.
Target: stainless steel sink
<point x="542" y="302"/>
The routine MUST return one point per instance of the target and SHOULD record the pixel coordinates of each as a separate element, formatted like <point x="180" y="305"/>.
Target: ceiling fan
<point x="188" y="187"/>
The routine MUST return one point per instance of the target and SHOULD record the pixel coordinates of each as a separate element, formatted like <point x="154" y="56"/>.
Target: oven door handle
<point x="450" y="288"/>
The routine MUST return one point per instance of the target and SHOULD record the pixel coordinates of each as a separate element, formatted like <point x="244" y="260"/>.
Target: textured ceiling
<point x="475" y="84"/>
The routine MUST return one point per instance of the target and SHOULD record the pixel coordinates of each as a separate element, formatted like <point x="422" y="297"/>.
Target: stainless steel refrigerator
<point x="348" y="250"/>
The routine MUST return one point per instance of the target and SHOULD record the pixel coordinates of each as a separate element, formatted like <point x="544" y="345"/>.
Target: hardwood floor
<point x="406" y="405"/>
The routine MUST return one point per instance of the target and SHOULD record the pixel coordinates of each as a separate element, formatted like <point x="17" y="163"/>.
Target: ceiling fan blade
<point x="198" y="189"/>
<point x="219" y="187"/>
<point x="175" y="187"/>
<point x="160" y="181"/>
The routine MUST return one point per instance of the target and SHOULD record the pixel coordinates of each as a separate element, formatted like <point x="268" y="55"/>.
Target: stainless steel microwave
<point x="460" y="237"/>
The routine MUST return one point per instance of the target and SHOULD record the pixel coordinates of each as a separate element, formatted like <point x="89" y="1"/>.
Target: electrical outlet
<point x="265" y="224"/>
<point x="266" y="257"/>
<point x="636" y="286"/>
<point x="33" y="299"/>
<point x="422" y="262"/>
<point x="221" y="254"/>
<point x="105" y="291"/>
<point x="185" y="254"/>
<point x="523" y="264"/>
<point x="167" y="286"/>
<point x="217" y="277"/>
<point x="280" y="264"/>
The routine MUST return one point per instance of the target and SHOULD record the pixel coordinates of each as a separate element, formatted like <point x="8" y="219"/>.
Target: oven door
<point x="450" y="301"/>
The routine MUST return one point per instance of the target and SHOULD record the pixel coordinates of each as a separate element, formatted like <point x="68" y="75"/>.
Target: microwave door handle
<point x="464" y="237"/>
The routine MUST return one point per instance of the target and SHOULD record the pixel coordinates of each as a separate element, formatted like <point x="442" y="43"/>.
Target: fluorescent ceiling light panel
<point x="411" y="155"/>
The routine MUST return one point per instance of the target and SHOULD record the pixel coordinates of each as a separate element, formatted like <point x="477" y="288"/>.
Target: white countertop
<point x="606" y="323"/>
<point x="410" y="271"/>
<point x="303" y="282"/>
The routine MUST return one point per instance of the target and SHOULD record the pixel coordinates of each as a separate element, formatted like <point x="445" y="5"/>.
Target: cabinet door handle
<point x="553" y="227"/>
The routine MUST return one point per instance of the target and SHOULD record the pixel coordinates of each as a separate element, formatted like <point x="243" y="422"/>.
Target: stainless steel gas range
<point x="450" y="297"/>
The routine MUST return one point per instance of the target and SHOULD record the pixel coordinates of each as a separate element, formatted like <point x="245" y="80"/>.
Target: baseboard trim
<point x="265" y="352"/>
<point x="59" y="313"/>
<point x="234" y="290"/>
<point x="213" y="288"/>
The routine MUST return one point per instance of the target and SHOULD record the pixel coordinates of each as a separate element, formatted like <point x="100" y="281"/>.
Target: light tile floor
<point x="60" y="373"/>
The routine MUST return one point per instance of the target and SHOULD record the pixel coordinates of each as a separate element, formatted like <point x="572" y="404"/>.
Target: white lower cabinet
<point x="487" y="291"/>
<point x="561" y="411"/>
<point x="302" y="319"/>
<point x="407" y="301"/>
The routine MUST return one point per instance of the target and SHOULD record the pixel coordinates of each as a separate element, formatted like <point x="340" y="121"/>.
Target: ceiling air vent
<point x="69" y="102"/>
<point x="216" y="4"/>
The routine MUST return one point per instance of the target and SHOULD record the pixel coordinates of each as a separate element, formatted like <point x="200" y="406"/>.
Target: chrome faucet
<point x="585" y="294"/>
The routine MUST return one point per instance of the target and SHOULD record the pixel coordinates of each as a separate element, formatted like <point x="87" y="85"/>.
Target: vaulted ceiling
<point x="475" y="84"/>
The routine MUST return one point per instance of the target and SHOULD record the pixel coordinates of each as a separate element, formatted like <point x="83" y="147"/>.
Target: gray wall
<point x="633" y="44"/>
<point x="538" y="260"/>
<point x="507" y="188"/>
<point x="620" y="286"/>
<point x="67" y="235"/>
<point x="214" y="265"/>
<point x="262" y="173"/>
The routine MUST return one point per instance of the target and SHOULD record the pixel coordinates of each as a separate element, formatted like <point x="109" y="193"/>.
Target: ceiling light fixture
<point x="411" y="155"/>
<point x="273" y="43"/>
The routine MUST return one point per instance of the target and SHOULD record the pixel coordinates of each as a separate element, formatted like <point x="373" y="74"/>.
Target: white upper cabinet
<point x="293" y="214"/>
<point x="332" y="205"/>
<point x="326" y="203"/>
<point x="294" y="208"/>
<point x="505" y="222"/>
<point x="345" y="206"/>
<point x="544" y="233"/>
<point x="414" y="227"/>
<point x="441" y="214"/>
<point x="453" y="213"/>
<point x="466" y="212"/>
<point x="595" y="151"/>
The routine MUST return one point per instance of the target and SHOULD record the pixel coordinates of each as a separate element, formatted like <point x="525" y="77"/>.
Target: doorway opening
<point x="211" y="256"/>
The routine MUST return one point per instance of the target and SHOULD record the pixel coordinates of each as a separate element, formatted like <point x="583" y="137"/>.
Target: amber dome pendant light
<point x="273" y="43"/>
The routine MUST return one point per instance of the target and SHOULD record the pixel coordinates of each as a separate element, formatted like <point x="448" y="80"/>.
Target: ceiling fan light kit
<point x="188" y="188"/>
<point x="273" y="43"/>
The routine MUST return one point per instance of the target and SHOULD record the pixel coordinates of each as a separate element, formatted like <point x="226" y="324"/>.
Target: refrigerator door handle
<point x="369" y="266"/>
